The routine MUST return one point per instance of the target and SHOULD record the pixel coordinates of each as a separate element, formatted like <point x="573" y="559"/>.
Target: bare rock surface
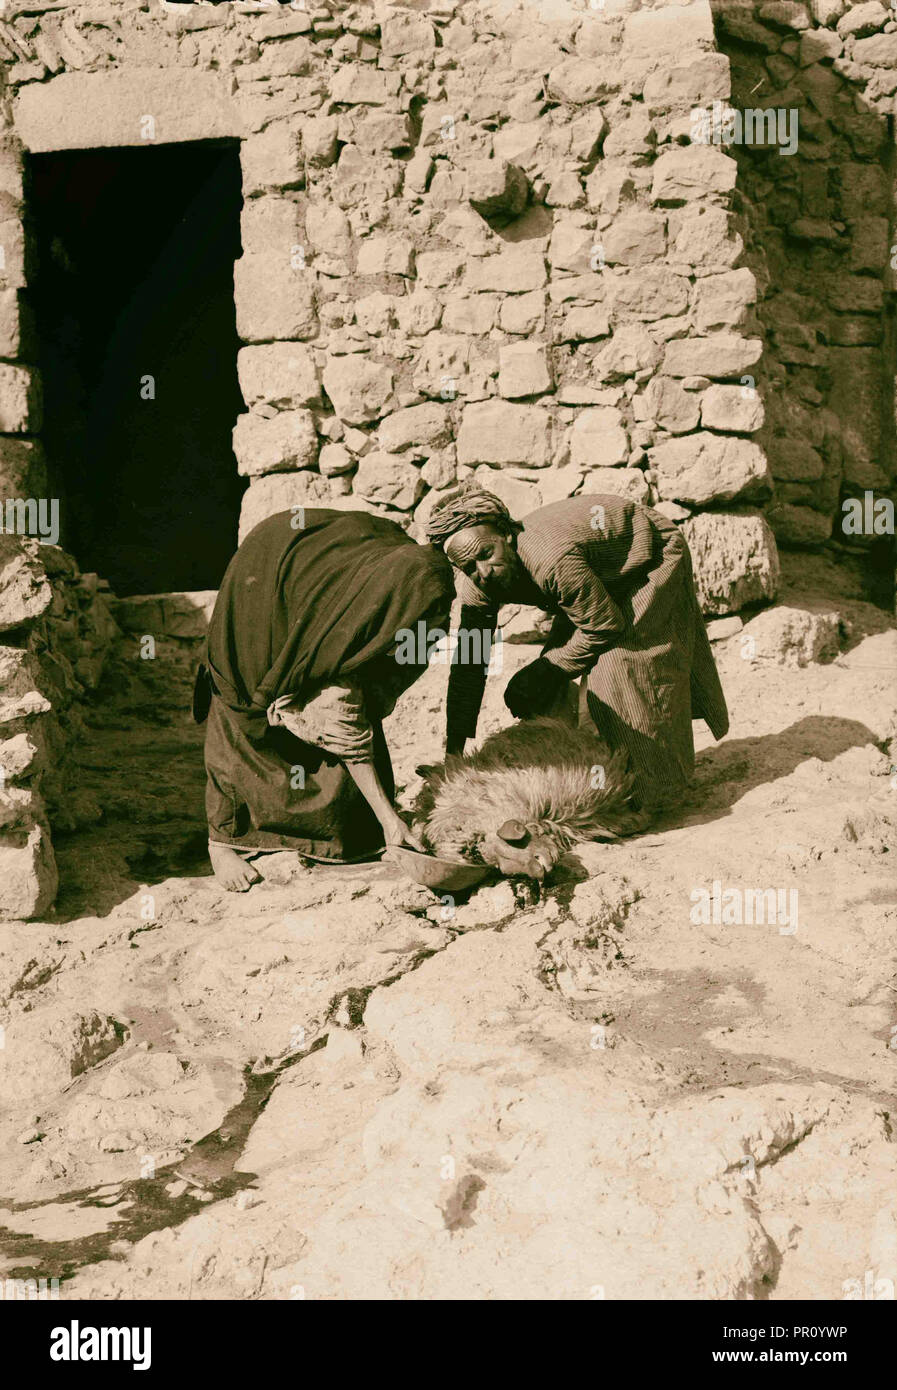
<point x="340" y="1086"/>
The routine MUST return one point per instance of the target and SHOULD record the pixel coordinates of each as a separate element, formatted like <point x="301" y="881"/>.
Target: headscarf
<point x="298" y="609"/>
<point x="467" y="505"/>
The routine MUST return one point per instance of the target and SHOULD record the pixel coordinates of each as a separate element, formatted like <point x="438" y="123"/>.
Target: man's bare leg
<point x="231" y="869"/>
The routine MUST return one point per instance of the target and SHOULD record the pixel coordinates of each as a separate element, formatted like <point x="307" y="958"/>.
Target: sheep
<point x="531" y="792"/>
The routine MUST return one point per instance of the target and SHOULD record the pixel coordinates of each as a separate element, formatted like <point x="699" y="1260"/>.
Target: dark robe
<point x="300" y="609"/>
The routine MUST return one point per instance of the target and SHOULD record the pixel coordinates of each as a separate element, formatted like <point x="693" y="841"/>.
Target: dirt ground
<point x="337" y="1086"/>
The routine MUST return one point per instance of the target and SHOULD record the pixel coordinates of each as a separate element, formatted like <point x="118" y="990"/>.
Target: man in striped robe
<point x="627" y="651"/>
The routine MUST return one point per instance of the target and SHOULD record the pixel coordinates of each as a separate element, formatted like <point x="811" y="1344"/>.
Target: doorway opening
<point x="137" y="344"/>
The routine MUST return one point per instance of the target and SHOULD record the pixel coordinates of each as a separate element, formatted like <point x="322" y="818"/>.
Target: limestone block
<point x="18" y="697"/>
<point x="523" y="313"/>
<point x="684" y="86"/>
<point x="271" y="445"/>
<point x="389" y="479"/>
<point x="736" y="561"/>
<point x="28" y="884"/>
<point x="577" y="81"/>
<point x="880" y="51"/>
<point x="572" y="246"/>
<point x="718" y="355"/>
<point x="519" y="495"/>
<point x="24" y="590"/>
<point x="282" y="492"/>
<point x="731" y="408"/>
<point x="515" y="269"/>
<point x="583" y="325"/>
<point x="818" y="46"/>
<point x="81" y="110"/>
<point x="633" y="138"/>
<point x="386" y="255"/>
<point x="280" y="374"/>
<point x="374" y="130"/>
<point x="286" y="57"/>
<point x="273" y="159"/>
<point x="357" y="83"/>
<point x="497" y="432"/>
<point x="497" y="189"/>
<point x="440" y="469"/>
<point x="619" y="482"/>
<point x="442" y="365"/>
<point x="702" y="468"/>
<point x="21" y="399"/>
<point x="23" y="755"/>
<point x="471" y="313"/>
<point x="319" y="141"/>
<point x="863" y="19"/>
<point x="704" y="239"/>
<point x="273" y="299"/>
<point x="634" y="238"/>
<point x="328" y="231"/>
<point x="424" y="426"/>
<point x="648" y="293"/>
<point x="524" y="370"/>
<point x="13" y="324"/>
<point x="587" y="134"/>
<point x="335" y="460"/>
<point x="407" y="33"/>
<point x="669" y="29"/>
<point x="358" y="387"/>
<point x="15" y="257"/>
<point x="437" y="269"/>
<point x="796" y="637"/>
<point x="630" y="350"/>
<point x="418" y="313"/>
<point x="672" y="407"/>
<point x="598" y="438"/>
<point x="724" y="300"/>
<point x="692" y="171"/>
<point x="376" y="313"/>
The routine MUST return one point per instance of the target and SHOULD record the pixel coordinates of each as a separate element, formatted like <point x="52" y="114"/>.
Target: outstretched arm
<point x="395" y="831"/>
<point x="467" y="676"/>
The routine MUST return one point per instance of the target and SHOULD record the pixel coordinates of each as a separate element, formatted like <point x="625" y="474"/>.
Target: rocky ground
<point x="336" y="1086"/>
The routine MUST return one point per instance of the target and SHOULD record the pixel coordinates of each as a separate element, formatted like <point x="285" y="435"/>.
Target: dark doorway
<point x="137" y="342"/>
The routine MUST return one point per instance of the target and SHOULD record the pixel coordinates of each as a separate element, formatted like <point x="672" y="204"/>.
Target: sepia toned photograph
<point x="448" y="664"/>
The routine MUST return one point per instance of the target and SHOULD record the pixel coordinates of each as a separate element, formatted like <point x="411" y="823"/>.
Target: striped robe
<point x="618" y="579"/>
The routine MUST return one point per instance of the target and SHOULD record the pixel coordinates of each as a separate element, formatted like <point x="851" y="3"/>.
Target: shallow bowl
<point x="442" y="875"/>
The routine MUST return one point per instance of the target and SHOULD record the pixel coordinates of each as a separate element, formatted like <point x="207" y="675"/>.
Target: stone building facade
<point x="490" y="239"/>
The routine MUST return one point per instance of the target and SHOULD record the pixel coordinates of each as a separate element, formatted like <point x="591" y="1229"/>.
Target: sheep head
<point x="526" y="796"/>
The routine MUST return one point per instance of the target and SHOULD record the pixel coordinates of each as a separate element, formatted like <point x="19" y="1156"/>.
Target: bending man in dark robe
<point x="301" y="669"/>
<point x="627" y="650"/>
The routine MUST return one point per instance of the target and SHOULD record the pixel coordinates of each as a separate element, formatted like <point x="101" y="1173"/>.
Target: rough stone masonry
<point x="480" y="238"/>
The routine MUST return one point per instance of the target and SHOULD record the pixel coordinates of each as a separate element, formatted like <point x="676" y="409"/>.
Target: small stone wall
<point x="55" y="632"/>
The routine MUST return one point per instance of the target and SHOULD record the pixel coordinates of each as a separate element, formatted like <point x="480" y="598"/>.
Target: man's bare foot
<point x="231" y="870"/>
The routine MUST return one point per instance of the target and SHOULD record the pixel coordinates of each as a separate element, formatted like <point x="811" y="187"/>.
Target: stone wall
<point x="819" y="242"/>
<point x="55" y="631"/>
<point x="476" y="239"/>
